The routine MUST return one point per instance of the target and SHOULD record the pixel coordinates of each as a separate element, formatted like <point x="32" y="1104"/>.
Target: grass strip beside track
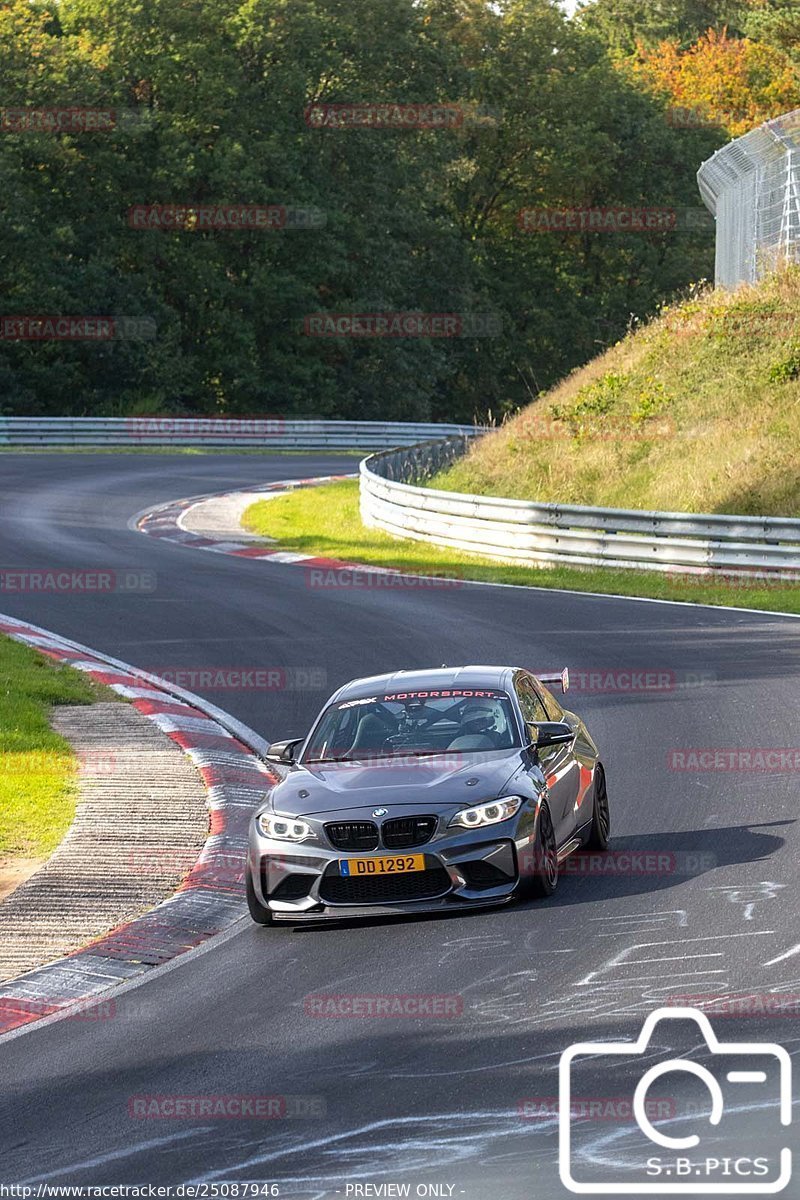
<point x="325" y="521"/>
<point x="38" y="769"/>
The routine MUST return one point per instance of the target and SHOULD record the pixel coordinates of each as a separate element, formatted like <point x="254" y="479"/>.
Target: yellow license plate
<point x="394" y="865"/>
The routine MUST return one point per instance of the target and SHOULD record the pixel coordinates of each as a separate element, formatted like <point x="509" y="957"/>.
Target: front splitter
<point x="411" y="908"/>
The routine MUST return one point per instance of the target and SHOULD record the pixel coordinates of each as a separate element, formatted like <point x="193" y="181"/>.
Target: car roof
<point x="424" y="680"/>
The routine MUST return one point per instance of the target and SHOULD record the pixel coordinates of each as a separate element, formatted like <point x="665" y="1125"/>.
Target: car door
<point x="558" y="763"/>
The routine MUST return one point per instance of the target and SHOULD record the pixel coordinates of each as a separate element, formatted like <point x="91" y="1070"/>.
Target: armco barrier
<point x="521" y="531"/>
<point x="271" y="432"/>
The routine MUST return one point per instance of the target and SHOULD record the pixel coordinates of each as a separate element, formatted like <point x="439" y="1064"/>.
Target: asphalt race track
<point x="432" y="1101"/>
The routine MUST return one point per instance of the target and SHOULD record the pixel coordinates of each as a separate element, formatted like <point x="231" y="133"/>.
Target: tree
<point x="735" y="83"/>
<point x="414" y="219"/>
<point x="623" y="24"/>
<point x="776" y="22"/>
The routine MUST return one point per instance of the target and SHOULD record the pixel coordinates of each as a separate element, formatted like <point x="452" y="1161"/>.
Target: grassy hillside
<point x="698" y="411"/>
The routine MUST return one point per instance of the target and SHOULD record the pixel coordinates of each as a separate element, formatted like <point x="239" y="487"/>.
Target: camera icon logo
<point x="741" y="1078"/>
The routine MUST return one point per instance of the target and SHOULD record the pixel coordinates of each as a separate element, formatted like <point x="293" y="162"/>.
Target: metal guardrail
<point x="278" y="433"/>
<point x="521" y="531"/>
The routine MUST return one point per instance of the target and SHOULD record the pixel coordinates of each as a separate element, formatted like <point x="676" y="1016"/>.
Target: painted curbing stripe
<point x="138" y="692"/>
<point x="222" y="547"/>
<point x="171" y="721"/>
<point x="209" y="900"/>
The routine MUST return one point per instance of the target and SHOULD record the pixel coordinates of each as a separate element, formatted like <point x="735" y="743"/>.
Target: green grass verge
<point x="38" y="768"/>
<point x="325" y="521"/>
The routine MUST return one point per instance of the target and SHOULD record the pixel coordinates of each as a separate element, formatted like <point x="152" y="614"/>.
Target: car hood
<point x="441" y="780"/>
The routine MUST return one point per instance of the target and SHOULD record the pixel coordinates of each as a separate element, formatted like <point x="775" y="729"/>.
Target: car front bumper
<point x="303" y="882"/>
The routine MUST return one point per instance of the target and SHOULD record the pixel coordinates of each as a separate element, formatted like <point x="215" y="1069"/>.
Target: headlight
<point x="488" y="814"/>
<point x="284" y="828"/>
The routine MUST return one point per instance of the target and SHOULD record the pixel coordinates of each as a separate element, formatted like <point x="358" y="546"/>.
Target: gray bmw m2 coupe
<point x="427" y="790"/>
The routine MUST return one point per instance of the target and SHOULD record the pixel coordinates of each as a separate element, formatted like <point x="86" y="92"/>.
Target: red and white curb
<point x="164" y="522"/>
<point x="211" y="897"/>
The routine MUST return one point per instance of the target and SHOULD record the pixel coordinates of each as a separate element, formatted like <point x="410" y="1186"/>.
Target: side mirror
<point x="283" y="752"/>
<point x="552" y="733"/>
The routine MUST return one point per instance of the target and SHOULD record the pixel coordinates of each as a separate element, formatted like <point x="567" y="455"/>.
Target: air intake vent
<point x="385" y="889"/>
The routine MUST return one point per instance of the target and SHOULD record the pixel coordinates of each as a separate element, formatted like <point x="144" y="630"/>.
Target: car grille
<point x="294" y="886"/>
<point x="353" y="835"/>
<point x="404" y="832"/>
<point x="385" y="889"/>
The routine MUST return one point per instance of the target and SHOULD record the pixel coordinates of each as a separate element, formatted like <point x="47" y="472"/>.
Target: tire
<point x="260" y="914"/>
<point x="544" y="879"/>
<point x="600" y="828"/>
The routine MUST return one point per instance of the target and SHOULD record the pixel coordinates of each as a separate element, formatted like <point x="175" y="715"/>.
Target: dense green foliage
<point x="624" y="23"/>
<point x="776" y="22"/>
<point x="420" y="220"/>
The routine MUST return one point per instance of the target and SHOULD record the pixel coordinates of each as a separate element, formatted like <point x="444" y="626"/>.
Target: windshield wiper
<point x="343" y="758"/>
<point x="417" y="753"/>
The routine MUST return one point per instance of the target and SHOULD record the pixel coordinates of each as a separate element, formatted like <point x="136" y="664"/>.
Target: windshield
<point x="413" y="723"/>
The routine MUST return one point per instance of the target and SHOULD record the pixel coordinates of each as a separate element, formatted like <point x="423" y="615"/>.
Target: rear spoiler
<point x="561" y="677"/>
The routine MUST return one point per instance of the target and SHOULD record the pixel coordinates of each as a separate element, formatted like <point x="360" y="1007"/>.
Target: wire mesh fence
<point x="752" y="186"/>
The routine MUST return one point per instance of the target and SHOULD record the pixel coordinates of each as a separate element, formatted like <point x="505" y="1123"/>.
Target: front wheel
<point x="260" y="914"/>
<point x="542" y="876"/>
<point x="600" y="829"/>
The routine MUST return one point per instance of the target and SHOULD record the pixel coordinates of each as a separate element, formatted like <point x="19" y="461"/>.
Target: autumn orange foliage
<point x="735" y="83"/>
